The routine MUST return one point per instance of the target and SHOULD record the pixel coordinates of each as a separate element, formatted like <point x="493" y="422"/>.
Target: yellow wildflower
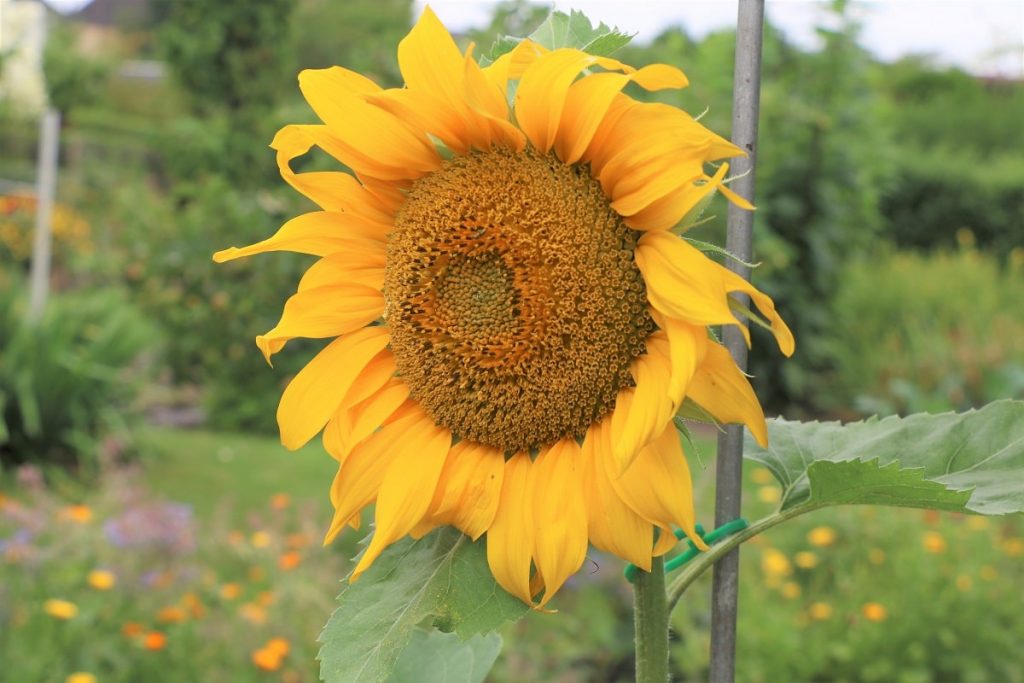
<point x="101" y="579"/>
<point x="821" y="536"/>
<point x="874" y="611"/>
<point x="60" y="609"/>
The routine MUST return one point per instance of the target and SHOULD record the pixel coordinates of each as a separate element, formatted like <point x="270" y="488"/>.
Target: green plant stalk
<point x="650" y="618"/>
<point x="700" y="564"/>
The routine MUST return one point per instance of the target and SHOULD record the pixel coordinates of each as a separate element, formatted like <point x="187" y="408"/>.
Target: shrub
<point x="67" y="380"/>
<point x="913" y="332"/>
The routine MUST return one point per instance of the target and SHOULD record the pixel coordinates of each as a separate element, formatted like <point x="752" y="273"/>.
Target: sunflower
<point x="514" y="323"/>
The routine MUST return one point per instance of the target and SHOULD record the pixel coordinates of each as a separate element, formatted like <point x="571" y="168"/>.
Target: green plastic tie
<point x="727" y="529"/>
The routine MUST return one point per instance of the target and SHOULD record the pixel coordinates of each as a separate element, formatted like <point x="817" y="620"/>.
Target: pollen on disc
<point x="514" y="301"/>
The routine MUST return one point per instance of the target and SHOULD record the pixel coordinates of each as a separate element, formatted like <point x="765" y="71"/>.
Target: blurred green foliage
<point x="71" y="378"/>
<point x="73" y="81"/>
<point x="912" y="333"/>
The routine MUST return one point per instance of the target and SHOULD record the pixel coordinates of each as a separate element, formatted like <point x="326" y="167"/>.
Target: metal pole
<point x="729" y="464"/>
<point x="46" y="190"/>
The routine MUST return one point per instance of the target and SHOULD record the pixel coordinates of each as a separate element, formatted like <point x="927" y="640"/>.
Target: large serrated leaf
<point x="436" y="657"/>
<point x="575" y="30"/>
<point x="440" y="580"/>
<point x="970" y="462"/>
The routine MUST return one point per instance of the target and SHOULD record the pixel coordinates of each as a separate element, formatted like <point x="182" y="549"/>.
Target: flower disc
<point x="515" y="303"/>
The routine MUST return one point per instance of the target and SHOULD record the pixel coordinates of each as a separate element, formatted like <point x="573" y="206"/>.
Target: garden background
<point x="151" y="526"/>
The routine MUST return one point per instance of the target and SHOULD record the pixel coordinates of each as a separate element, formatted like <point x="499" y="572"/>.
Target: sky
<point x="985" y="37"/>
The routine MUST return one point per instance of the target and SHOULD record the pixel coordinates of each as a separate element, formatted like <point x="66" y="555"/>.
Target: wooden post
<point x="46" y="190"/>
<point x="729" y="464"/>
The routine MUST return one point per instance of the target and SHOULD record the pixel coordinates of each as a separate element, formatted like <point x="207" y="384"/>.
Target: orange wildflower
<point x="874" y="611"/>
<point x="230" y="591"/>
<point x="279" y="501"/>
<point x="279" y="645"/>
<point x="131" y="629"/>
<point x="290" y="560"/>
<point x="934" y="543"/>
<point x="266" y="659"/>
<point x="171" y="614"/>
<point x="79" y="514"/>
<point x="154" y="641"/>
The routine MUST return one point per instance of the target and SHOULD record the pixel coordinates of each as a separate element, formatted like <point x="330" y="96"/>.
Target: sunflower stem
<point x="650" y="613"/>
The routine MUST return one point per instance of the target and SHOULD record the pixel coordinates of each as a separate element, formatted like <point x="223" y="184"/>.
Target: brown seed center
<point x="514" y="301"/>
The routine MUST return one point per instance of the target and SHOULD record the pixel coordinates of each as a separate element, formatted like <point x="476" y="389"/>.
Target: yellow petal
<point x="559" y="514"/>
<point x="544" y="87"/>
<point x="323" y="312"/>
<point x="644" y="410"/>
<point x="315" y="393"/>
<point x="681" y="281"/>
<point x="510" y="538"/>
<point x="487" y="100"/>
<point x="657" y="485"/>
<point x="781" y="331"/>
<point x="469" y="488"/>
<point x="687" y="347"/>
<point x="721" y="389"/>
<point x="361" y="473"/>
<point x="332" y="190"/>
<point x="320" y="233"/>
<point x="667" y="211"/>
<point x="408" y="487"/>
<point x="363" y="419"/>
<point x="367" y="138"/>
<point x="611" y="524"/>
<point x="429" y="59"/>
<point x="354" y="266"/>
<point x="371" y="382"/>
<point x="589" y="98"/>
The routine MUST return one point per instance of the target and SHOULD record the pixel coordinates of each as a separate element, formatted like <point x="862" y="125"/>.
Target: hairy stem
<point x="650" y="612"/>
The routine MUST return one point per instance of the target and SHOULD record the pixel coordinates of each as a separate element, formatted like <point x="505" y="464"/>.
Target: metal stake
<point x="46" y="190"/>
<point x="729" y="467"/>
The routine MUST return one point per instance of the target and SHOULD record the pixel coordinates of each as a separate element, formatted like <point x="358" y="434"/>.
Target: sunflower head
<point x="513" y="321"/>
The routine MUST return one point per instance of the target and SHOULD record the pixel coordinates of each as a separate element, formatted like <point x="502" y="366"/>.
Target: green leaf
<point x="575" y="30"/>
<point x="967" y="462"/>
<point x="440" y="580"/>
<point x="436" y="657"/>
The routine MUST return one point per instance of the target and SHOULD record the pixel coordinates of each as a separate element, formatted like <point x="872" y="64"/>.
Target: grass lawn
<point x="212" y="470"/>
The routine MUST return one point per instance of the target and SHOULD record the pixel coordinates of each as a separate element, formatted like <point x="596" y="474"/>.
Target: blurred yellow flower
<point x="77" y="513"/>
<point x="260" y="539"/>
<point x="762" y="476"/>
<point x="279" y="501"/>
<point x="194" y="605"/>
<point x="821" y="536"/>
<point x="774" y="563"/>
<point x="230" y="591"/>
<point x="819" y="611"/>
<point x="876" y="556"/>
<point x="933" y="542"/>
<point x="289" y="560"/>
<point x="171" y="614"/>
<point x="279" y="645"/>
<point x="1014" y="547"/>
<point x="265" y="599"/>
<point x="253" y="613"/>
<point x="791" y="590"/>
<point x="80" y="677"/>
<point x="805" y="559"/>
<point x="101" y="579"/>
<point x="874" y="611"/>
<point x="266" y="659"/>
<point x="60" y="609"/>
<point x="154" y="641"/>
<point x="964" y="583"/>
<point x="977" y="522"/>
<point x="988" y="573"/>
<point x="769" y="494"/>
